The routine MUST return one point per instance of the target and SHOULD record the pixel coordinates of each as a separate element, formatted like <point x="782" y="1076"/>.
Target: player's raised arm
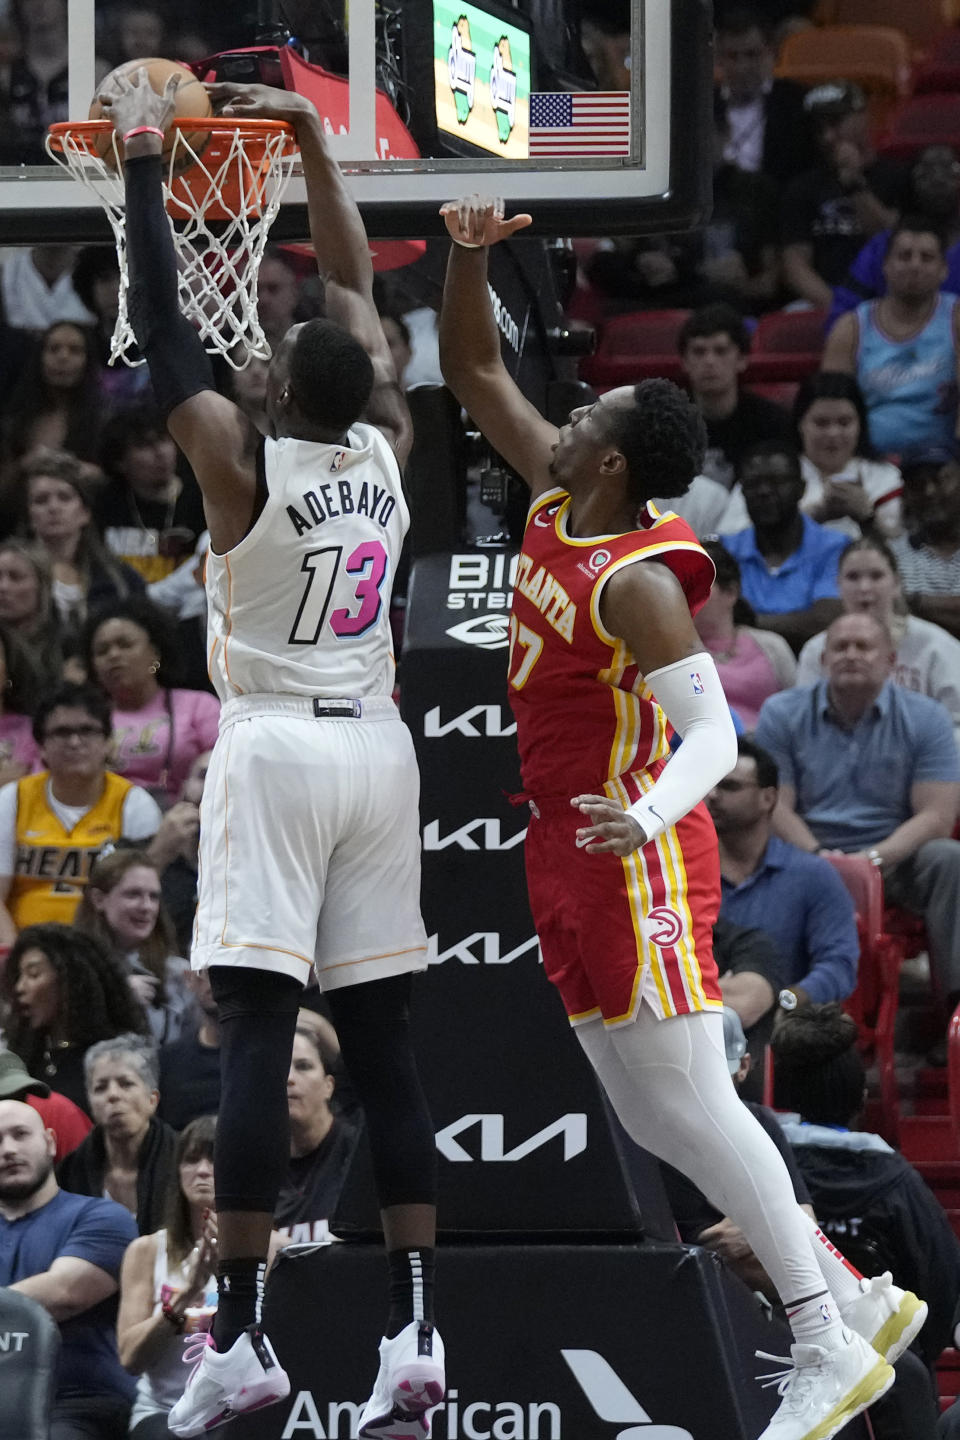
<point x="207" y="427"/>
<point x="470" y="344"/>
<point x="340" y="243"/>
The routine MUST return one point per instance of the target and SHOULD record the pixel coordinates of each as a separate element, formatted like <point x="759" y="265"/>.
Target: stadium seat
<point x="953" y="1070"/>
<point x="924" y="120"/>
<point x="875" y="1001"/>
<point x="787" y="345"/>
<point x="635" y="347"/>
<point x="922" y="21"/>
<point x="876" y="57"/>
<point x="28" y="1367"/>
<point x="941" y="70"/>
<point x="781" y="392"/>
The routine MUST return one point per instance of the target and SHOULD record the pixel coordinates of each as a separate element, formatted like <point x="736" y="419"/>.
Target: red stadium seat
<point x="787" y="345"/>
<point x="953" y="1070"/>
<point x="876" y="57"/>
<point x="920" y="20"/>
<point x="875" y="1001"/>
<point x="924" y="120"/>
<point x="636" y="347"/>
<point x="941" y="71"/>
<point x="781" y="392"/>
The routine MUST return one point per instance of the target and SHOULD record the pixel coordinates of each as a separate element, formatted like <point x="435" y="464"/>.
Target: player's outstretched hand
<point x="477" y="221"/>
<point x="130" y="101"/>
<point x="259" y="102"/>
<point x="611" y="829"/>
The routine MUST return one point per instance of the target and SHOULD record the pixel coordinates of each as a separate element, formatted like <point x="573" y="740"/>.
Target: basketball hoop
<point x="223" y="182"/>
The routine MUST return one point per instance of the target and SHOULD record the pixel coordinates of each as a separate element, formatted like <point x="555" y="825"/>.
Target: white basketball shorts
<point x="310" y="843"/>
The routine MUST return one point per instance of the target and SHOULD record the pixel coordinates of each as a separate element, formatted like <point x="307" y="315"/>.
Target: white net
<point x="222" y="185"/>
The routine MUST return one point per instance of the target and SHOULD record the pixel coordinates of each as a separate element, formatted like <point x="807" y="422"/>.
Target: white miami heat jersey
<point x="302" y="605"/>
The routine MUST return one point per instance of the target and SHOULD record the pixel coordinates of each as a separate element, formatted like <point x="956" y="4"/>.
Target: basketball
<point x="191" y="100"/>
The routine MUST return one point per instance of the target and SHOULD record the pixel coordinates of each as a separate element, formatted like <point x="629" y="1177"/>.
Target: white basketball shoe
<point x="410" y="1385"/>
<point x="887" y="1317"/>
<point x="246" y="1377"/>
<point x="824" y="1389"/>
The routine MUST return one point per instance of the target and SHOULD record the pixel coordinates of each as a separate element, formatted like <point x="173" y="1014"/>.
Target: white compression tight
<point x="670" y="1086"/>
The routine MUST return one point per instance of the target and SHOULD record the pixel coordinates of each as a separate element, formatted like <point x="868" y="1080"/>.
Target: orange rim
<point x="252" y="130"/>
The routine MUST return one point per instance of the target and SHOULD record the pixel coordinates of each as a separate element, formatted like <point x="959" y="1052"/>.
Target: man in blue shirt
<point x="64" y="1251"/>
<point x="798" y="899"/>
<point x="871" y="768"/>
<point x="788" y="563"/>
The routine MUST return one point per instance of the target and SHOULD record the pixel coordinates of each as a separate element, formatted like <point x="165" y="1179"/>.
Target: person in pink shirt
<point x="18" y="751"/>
<point x="158" y="729"/>
<point x="752" y="663"/>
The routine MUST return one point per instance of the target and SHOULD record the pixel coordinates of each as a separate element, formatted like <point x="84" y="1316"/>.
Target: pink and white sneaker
<point x="246" y="1377"/>
<point x="410" y="1385"/>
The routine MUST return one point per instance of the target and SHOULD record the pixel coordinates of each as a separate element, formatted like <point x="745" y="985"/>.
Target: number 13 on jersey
<point x="369" y="564"/>
<point x="525" y="647"/>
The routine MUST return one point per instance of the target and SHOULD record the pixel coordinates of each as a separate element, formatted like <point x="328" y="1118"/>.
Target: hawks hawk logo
<point x="666" y="926"/>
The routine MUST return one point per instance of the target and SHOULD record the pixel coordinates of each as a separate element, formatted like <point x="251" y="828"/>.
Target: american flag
<point x="596" y="122"/>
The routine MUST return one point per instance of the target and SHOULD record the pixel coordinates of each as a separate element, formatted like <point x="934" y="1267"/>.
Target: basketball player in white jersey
<point x="309" y="848"/>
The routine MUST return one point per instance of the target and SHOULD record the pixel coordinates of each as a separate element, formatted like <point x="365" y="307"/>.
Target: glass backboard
<point x="589" y="115"/>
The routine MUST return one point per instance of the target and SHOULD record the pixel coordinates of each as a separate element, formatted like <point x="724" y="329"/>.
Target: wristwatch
<point x="787" y="1000"/>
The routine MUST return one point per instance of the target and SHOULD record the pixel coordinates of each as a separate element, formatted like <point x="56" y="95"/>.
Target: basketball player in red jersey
<point x="621" y="855"/>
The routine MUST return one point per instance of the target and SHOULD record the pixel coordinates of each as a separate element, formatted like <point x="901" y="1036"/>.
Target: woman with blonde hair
<point x="927" y="656"/>
<point x="26" y="606"/>
<point x="57" y="495"/>
<point x="121" y="907"/>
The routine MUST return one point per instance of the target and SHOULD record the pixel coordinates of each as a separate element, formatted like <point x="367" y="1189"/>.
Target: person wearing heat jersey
<point x="622" y="864"/>
<point x="309" y="837"/>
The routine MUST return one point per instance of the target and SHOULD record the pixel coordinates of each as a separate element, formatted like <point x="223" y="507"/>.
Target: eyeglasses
<point x="60" y="734"/>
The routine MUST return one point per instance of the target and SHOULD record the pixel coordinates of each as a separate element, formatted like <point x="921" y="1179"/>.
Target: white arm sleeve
<point x="690" y="695"/>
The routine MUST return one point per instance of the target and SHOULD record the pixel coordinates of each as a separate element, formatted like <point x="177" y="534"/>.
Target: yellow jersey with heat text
<point x="53" y="864"/>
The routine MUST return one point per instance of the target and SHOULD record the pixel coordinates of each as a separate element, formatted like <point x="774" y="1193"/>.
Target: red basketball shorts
<point x="615" y="932"/>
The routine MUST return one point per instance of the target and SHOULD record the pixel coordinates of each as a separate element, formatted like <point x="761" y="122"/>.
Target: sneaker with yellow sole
<point x="824" y="1389"/>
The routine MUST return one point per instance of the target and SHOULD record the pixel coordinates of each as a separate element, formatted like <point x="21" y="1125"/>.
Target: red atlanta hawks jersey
<point x="584" y="713"/>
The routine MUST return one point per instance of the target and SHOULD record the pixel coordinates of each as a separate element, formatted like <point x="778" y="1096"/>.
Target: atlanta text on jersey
<point x="549" y="596"/>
